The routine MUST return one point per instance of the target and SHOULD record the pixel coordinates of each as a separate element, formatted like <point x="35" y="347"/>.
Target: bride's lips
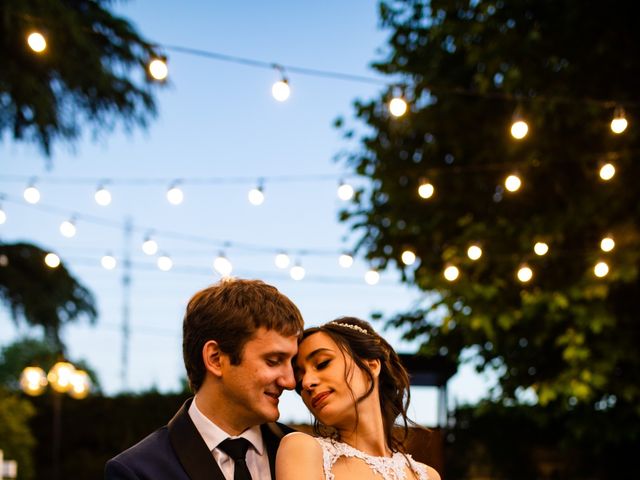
<point x="315" y="401"/>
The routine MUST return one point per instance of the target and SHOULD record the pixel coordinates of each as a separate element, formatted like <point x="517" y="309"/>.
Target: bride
<point x="353" y="383"/>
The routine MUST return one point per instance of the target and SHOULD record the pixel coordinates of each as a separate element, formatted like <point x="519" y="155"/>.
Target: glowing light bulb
<point x="607" y="171"/>
<point x="541" y="248"/>
<point x="37" y="42"/>
<point x="513" y="183"/>
<point x="222" y="265"/>
<point x="80" y="385"/>
<point x="345" y="260"/>
<point x="31" y="194"/>
<point x="102" y="196"/>
<point x="256" y="196"/>
<point x="607" y="244"/>
<point x="33" y="381"/>
<point x="60" y="376"/>
<point x="158" y="69"/>
<point x="426" y="190"/>
<point x="149" y="246"/>
<point x="52" y="260"/>
<point x="525" y="274"/>
<point x="601" y="269"/>
<point x="164" y="262"/>
<point x="398" y="106"/>
<point x="408" y="257"/>
<point x="372" y="277"/>
<point x="451" y="273"/>
<point x="175" y="195"/>
<point x="3" y="216"/>
<point x="619" y="123"/>
<point x="297" y="272"/>
<point x="68" y="228"/>
<point x="345" y="191"/>
<point x="282" y="260"/>
<point x="281" y="90"/>
<point x="519" y="129"/>
<point x="474" y="252"/>
<point x="108" y="262"/>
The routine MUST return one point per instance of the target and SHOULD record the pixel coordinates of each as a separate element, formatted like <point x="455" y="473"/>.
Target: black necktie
<point x="237" y="449"/>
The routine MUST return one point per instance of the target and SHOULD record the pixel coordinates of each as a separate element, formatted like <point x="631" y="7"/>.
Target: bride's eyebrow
<point x="317" y="352"/>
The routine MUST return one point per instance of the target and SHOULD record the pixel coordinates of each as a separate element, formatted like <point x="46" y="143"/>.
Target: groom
<point x="239" y="337"/>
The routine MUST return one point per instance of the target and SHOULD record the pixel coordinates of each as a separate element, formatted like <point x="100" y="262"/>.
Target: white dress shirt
<point x="213" y="435"/>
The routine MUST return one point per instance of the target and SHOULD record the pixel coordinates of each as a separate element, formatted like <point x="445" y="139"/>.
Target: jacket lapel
<point x="194" y="456"/>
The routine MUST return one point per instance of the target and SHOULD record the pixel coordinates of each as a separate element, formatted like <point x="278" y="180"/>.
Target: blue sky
<point x="216" y="119"/>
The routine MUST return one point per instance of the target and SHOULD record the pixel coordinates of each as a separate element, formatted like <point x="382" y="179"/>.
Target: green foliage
<point x="42" y="296"/>
<point x="92" y="72"/>
<point x="466" y="67"/>
<point x="16" y="440"/>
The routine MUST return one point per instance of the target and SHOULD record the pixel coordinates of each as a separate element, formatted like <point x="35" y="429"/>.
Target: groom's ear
<point x="212" y="358"/>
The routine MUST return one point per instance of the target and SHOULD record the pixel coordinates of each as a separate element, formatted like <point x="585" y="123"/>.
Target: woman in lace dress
<point x="353" y="383"/>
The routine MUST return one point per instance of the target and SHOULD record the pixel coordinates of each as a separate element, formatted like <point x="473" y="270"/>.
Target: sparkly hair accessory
<point x="352" y="327"/>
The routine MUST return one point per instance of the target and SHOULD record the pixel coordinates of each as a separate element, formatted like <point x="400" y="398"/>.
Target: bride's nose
<point x="309" y="381"/>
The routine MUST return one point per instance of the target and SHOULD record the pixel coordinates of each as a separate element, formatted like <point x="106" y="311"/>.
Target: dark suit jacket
<point x="178" y="452"/>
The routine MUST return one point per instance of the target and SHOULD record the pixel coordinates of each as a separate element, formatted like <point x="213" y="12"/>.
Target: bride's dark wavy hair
<point x="393" y="381"/>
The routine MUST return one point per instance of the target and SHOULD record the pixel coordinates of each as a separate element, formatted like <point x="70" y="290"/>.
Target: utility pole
<point x="126" y="301"/>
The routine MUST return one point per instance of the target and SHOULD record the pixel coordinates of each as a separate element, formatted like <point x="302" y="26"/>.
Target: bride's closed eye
<point x="322" y="365"/>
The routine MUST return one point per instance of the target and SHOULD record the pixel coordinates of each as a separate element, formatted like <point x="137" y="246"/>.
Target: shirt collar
<point x="213" y="435"/>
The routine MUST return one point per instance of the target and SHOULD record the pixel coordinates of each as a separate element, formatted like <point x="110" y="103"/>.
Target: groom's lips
<point x="315" y="401"/>
<point x="274" y="396"/>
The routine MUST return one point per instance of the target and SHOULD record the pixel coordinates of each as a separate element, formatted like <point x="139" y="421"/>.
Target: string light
<point x="108" y="262"/>
<point x="102" y="196"/>
<point x="68" y="228"/>
<point x="164" y="262"/>
<point x="37" y="42"/>
<point x="541" y="248"/>
<point x="297" y="272"/>
<point x="372" y="277"/>
<point x="345" y="260"/>
<point x="426" y="190"/>
<point x="408" y="257"/>
<point x="398" y="106"/>
<point x="282" y="260"/>
<point x="256" y="195"/>
<point x="601" y="269"/>
<point x="607" y="244"/>
<point x="281" y="89"/>
<point x="222" y="265"/>
<point x="52" y="260"/>
<point x="525" y="274"/>
<point x="451" y="273"/>
<point x="149" y="245"/>
<point x="519" y="128"/>
<point x="474" y="252"/>
<point x="345" y="191"/>
<point x="607" y="171"/>
<point x="158" y="69"/>
<point x="513" y="183"/>
<point x="31" y="194"/>
<point x="619" y="122"/>
<point x="175" y="195"/>
<point x="3" y="215"/>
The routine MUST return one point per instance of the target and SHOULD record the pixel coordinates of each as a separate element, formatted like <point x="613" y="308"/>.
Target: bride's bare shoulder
<point x="299" y="441"/>
<point x="432" y="474"/>
<point x="299" y="456"/>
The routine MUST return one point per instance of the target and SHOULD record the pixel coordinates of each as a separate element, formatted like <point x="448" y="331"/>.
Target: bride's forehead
<point x="315" y="341"/>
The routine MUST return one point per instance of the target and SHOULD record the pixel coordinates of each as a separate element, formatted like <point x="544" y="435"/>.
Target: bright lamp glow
<point x="222" y="265"/>
<point x="297" y="272"/>
<point x="108" y="262"/>
<point x="426" y="190"/>
<point x="102" y="196"/>
<point x="619" y="123"/>
<point x="607" y="171"/>
<point x="31" y="194"/>
<point x="345" y="192"/>
<point x="68" y="228"/>
<point x="408" y="257"/>
<point x="397" y="106"/>
<point x="37" y="42"/>
<point x="371" y="277"/>
<point x="165" y="263"/>
<point x="281" y="90"/>
<point x="33" y="381"/>
<point x="3" y="216"/>
<point x="519" y="129"/>
<point x="451" y="273"/>
<point x="52" y="260"/>
<point x="607" y="244"/>
<point x="175" y="195"/>
<point x="256" y="196"/>
<point x="345" y="260"/>
<point x="80" y="385"/>
<point x="158" y="69"/>
<point x="149" y="246"/>
<point x="601" y="269"/>
<point x="525" y="274"/>
<point x="513" y="183"/>
<point x="474" y="252"/>
<point x="541" y="248"/>
<point x="282" y="260"/>
<point x="60" y="375"/>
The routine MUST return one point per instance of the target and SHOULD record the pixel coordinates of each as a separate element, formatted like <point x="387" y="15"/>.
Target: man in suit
<point x="239" y="337"/>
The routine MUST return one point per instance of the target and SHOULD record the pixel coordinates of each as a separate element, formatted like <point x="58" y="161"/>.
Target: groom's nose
<point x="286" y="379"/>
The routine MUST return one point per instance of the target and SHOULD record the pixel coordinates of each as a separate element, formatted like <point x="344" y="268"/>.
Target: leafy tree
<point x="16" y="440"/>
<point x="466" y="67"/>
<point x="92" y="70"/>
<point x="42" y="296"/>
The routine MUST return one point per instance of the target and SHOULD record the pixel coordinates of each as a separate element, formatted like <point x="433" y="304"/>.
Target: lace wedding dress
<point x="389" y="468"/>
